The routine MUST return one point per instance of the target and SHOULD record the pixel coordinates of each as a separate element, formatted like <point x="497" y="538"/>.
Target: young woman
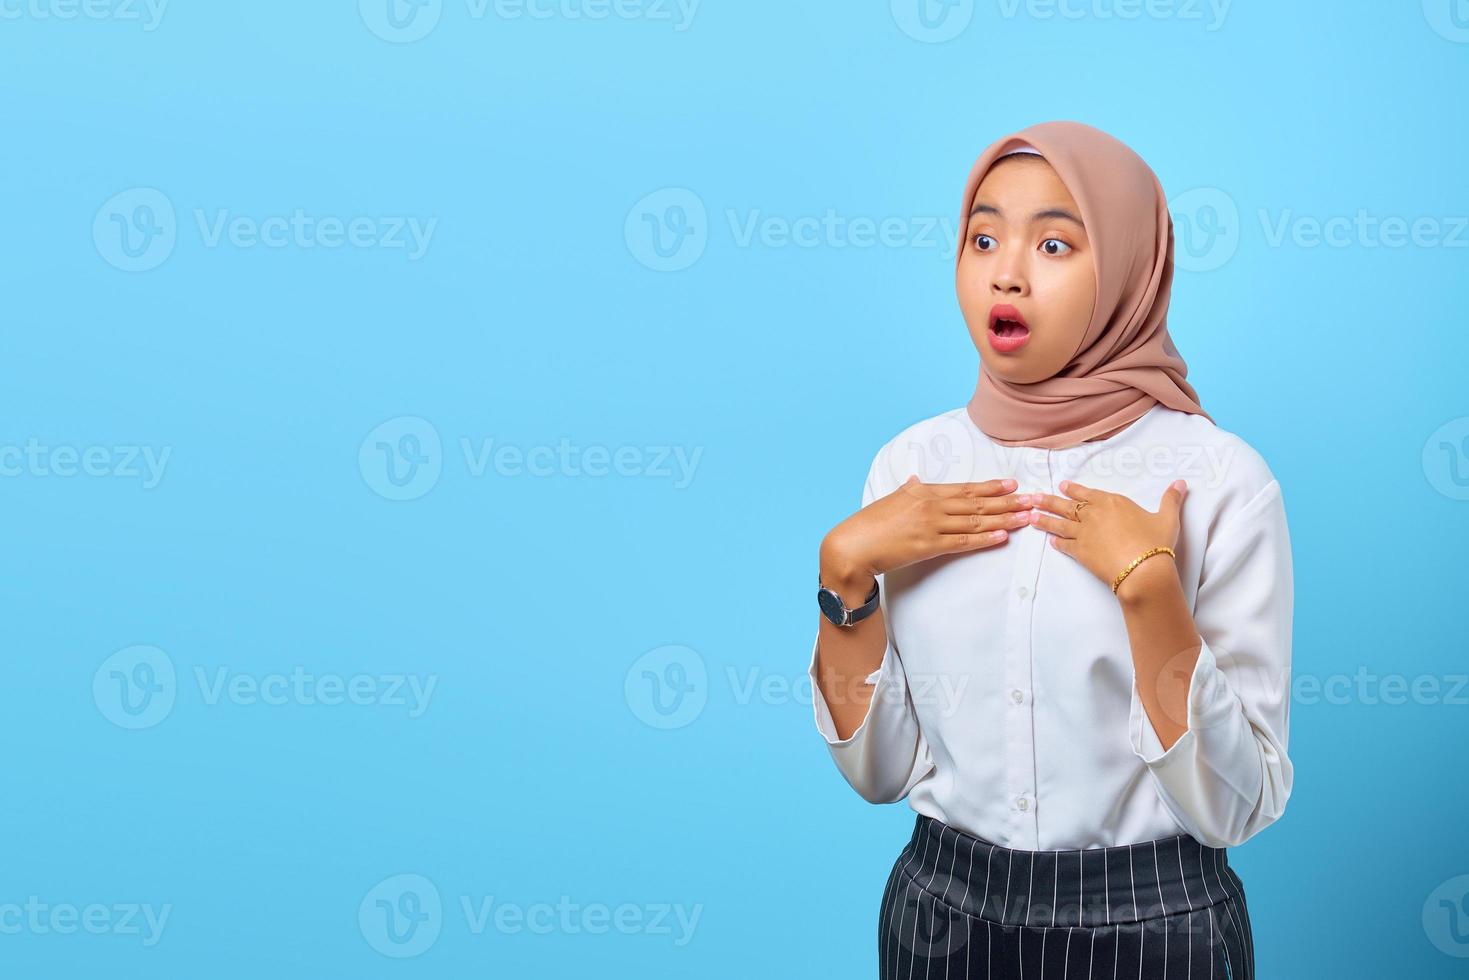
<point x="1068" y="645"/>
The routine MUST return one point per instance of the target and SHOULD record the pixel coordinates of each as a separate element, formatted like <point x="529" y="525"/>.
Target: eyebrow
<point x="1059" y="213"/>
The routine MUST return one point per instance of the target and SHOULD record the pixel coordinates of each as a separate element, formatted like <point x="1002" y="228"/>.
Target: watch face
<point x="831" y="606"/>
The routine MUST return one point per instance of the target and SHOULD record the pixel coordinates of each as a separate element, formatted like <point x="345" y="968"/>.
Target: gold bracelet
<point x="1138" y="561"/>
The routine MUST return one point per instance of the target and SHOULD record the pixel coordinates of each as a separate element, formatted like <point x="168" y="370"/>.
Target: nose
<point x="1008" y="278"/>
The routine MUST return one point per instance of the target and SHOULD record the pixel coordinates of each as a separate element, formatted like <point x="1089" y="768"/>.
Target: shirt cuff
<point x="1208" y="695"/>
<point x="881" y="678"/>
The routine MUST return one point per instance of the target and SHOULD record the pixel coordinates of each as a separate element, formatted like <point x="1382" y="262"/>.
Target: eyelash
<point x="976" y="238"/>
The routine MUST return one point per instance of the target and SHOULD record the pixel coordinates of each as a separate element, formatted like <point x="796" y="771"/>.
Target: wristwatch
<point x="836" y="611"/>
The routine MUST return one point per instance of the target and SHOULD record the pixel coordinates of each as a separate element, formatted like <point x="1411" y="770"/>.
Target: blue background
<point x="545" y="767"/>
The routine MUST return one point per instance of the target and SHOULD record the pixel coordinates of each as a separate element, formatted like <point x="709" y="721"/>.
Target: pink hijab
<point x="1126" y="362"/>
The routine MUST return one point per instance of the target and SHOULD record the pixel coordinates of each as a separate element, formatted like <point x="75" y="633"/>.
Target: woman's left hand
<point x="1106" y="531"/>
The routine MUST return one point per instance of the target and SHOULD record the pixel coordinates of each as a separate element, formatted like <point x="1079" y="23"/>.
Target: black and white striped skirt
<point x="957" y="906"/>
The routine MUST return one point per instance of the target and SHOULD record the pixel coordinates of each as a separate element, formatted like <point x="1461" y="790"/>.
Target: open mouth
<point x="1008" y="329"/>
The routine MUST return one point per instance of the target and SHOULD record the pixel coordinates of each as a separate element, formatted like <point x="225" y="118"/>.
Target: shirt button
<point x="1017" y="695"/>
<point x="1023" y="592"/>
<point x="1022" y="804"/>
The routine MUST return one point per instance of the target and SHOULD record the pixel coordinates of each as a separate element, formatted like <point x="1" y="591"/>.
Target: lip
<point x="1006" y="345"/>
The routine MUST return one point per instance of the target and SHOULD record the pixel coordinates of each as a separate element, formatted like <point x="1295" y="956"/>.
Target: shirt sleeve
<point x="887" y="755"/>
<point x="1228" y="776"/>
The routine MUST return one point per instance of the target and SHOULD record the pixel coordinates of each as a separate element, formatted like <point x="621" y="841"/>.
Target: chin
<point x="1013" y="368"/>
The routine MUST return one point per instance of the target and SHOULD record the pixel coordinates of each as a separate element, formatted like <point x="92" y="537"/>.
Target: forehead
<point x="1024" y="177"/>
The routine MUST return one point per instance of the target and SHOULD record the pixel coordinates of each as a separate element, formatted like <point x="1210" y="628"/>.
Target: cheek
<point x="972" y="295"/>
<point x="1068" y="293"/>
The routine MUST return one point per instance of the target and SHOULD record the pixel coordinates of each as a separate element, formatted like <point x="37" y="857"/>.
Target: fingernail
<point x="1009" y="484"/>
<point x="1064" y="484"/>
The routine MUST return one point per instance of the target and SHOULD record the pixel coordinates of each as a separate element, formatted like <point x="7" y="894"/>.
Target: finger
<point x="978" y="523"/>
<point x="1061" y="506"/>
<point x="1173" y="498"/>
<point x="950" y="544"/>
<point x="1056" y="525"/>
<point x="1073" y="489"/>
<point x="986" y="488"/>
<point x="1064" y="545"/>
<point x="982" y="505"/>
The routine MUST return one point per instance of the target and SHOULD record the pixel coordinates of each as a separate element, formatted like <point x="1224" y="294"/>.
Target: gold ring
<point x="1079" y="505"/>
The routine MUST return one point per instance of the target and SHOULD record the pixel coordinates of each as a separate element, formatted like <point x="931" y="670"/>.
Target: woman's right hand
<point x="917" y="521"/>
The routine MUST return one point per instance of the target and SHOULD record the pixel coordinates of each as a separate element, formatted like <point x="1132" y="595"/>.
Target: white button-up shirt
<point x="1006" y="704"/>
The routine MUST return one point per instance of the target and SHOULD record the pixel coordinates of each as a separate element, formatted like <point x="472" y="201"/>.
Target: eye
<point x="983" y="242"/>
<point x="1062" y="250"/>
